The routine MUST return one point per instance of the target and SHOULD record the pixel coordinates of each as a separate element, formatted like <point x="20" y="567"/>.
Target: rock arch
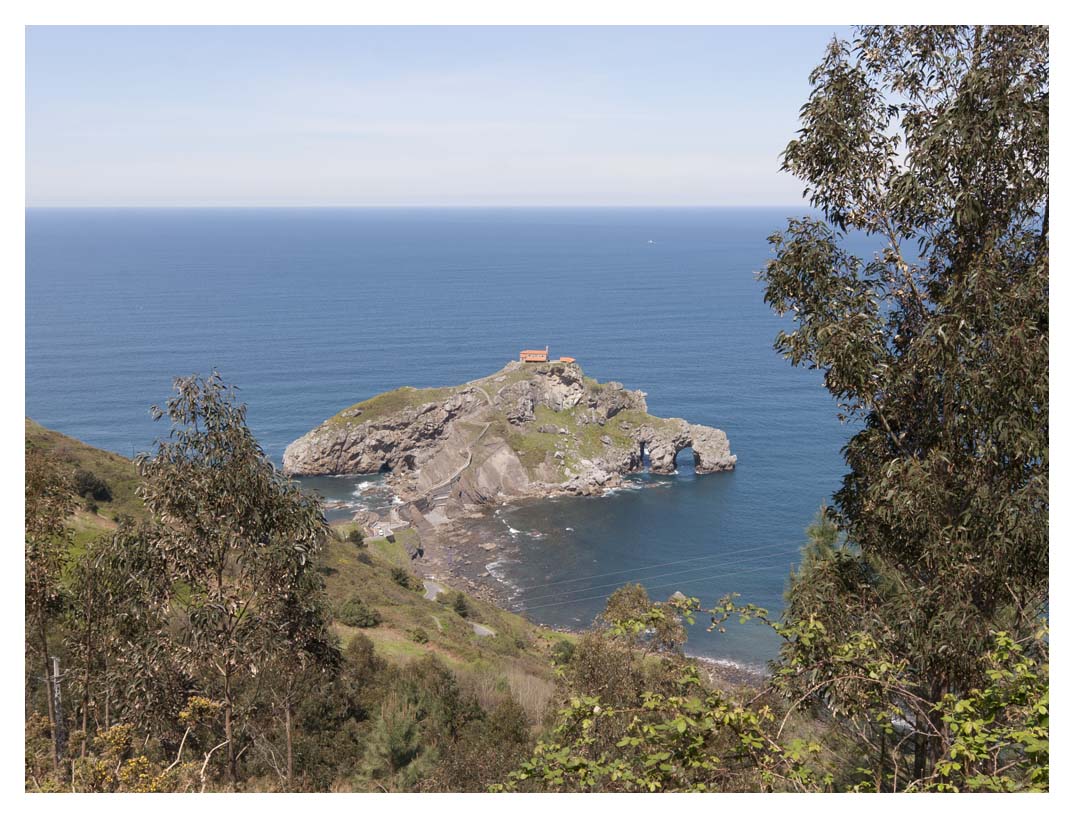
<point x="712" y="452"/>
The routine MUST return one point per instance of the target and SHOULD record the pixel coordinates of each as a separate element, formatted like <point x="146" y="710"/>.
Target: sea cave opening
<point x="685" y="461"/>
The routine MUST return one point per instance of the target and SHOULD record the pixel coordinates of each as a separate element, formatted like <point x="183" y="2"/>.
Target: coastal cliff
<point x="527" y="430"/>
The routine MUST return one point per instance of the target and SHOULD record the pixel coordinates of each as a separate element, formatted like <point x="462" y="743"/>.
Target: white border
<point x="486" y="12"/>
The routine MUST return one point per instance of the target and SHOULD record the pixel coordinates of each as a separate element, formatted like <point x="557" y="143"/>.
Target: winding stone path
<point x="436" y="494"/>
<point x="432" y="589"/>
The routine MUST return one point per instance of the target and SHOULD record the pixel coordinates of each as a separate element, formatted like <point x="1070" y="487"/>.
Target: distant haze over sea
<point x="308" y="311"/>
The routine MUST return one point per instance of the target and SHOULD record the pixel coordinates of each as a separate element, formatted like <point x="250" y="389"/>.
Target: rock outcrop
<point x="391" y="442"/>
<point x="712" y="451"/>
<point x="528" y="430"/>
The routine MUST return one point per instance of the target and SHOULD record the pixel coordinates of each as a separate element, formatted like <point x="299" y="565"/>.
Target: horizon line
<point x="564" y="206"/>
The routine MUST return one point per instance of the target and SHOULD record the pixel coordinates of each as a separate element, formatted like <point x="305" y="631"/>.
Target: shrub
<point x="357" y="614"/>
<point x="361" y="655"/>
<point x="459" y="605"/>
<point x="419" y="635"/>
<point x="91" y="487"/>
<point x="486" y="749"/>
<point x="355" y="537"/>
<point x="405" y="579"/>
<point x="562" y="652"/>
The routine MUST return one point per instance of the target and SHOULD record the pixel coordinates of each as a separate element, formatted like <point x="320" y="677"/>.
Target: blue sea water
<point x="310" y="310"/>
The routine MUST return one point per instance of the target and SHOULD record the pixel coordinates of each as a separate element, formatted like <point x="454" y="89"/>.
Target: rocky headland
<point x="529" y="430"/>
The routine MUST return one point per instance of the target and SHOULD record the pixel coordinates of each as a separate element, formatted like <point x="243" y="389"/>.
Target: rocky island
<point x="529" y="430"/>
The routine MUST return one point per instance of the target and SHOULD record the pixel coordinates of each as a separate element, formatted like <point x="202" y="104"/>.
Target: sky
<point x="414" y="116"/>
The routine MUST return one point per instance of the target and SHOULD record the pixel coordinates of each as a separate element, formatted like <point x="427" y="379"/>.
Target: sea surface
<point x="310" y="310"/>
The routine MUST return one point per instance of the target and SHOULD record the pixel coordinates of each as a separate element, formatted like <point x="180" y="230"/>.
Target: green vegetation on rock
<point x="388" y="403"/>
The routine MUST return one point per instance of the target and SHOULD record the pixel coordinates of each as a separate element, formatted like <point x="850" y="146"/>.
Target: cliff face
<point x="529" y="429"/>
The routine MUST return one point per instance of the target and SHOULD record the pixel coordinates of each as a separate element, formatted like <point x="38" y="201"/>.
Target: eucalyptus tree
<point x="932" y="142"/>
<point x="49" y="502"/>
<point x="87" y="608"/>
<point x="306" y="655"/>
<point x="237" y="537"/>
<point x="118" y="634"/>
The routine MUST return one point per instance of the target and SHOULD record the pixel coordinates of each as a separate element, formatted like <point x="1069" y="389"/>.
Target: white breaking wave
<point x="624" y="487"/>
<point x="495" y="569"/>
<point x="747" y="667"/>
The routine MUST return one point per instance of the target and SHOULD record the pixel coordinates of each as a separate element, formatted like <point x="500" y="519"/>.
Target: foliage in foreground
<point x="913" y="632"/>
<point x="932" y="142"/>
<point x="195" y="643"/>
<point x="630" y="724"/>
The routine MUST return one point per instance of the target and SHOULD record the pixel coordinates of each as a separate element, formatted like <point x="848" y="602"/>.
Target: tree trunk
<point x="881" y="758"/>
<point x="86" y="676"/>
<point x="60" y="731"/>
<point x="48" y="693"/>
<point x="290" y="747"/>
<point x="85" y="719"/>
<point x="232" y="766"/>
<point x="920" y="748"/>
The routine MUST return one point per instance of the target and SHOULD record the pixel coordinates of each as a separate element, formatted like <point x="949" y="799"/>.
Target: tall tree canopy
<point x="934" y="142"/>
<point x="239" y="539"/>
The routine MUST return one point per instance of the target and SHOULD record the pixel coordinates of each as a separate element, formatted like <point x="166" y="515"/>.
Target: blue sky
<point x="474" y="116"/>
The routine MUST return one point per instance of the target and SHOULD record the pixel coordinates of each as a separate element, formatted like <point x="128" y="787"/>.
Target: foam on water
<point x="346" y="495"/>
<point x="496" y="569"/>
<point x="626" y="486"/>
<point x="750" y="668"/>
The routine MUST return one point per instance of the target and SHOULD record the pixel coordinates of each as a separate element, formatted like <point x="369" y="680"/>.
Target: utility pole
<point x="60" y="730"/>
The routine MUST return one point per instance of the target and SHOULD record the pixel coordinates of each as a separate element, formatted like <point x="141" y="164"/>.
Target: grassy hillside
<point x="117" y="472"/>
<point x="514" y="658"/>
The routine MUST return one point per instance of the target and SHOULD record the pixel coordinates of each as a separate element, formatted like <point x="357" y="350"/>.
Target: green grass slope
<point x="515" y="658"/>
<point x="118" y="472"/>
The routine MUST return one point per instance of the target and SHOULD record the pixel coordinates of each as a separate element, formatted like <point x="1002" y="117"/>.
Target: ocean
<point x="310" y="310"/>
